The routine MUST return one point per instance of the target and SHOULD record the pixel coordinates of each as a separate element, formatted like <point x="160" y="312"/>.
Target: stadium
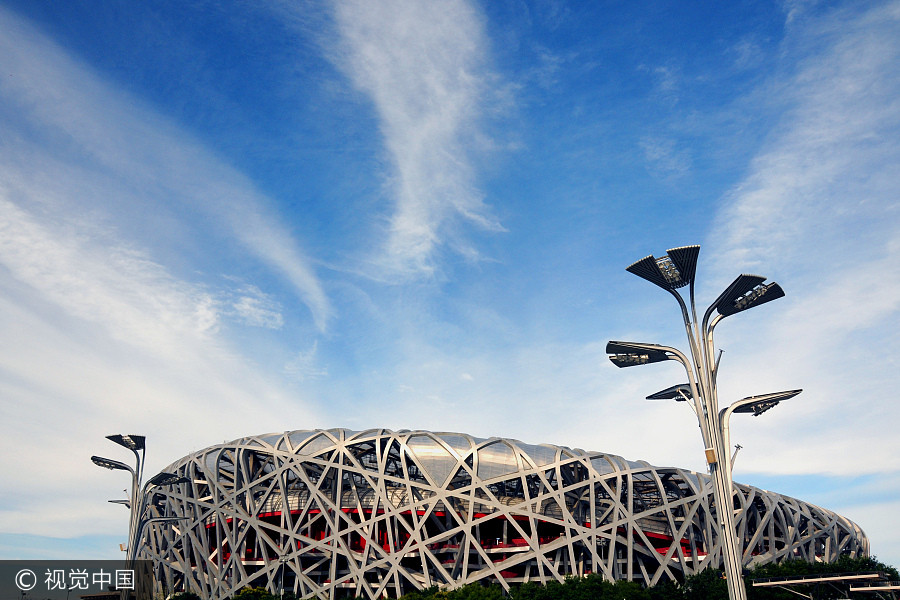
<point x="338" y="513"/>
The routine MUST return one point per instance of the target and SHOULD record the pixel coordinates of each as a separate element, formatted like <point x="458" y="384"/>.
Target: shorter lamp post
<point x="671" y="272"/>
<point x="162" y="479"/>
<point x="755" y="405"/>
<point x="715" y="428"/>
<point x="138" y="503"/>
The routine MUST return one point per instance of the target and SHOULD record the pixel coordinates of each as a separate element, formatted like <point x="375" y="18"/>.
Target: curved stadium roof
<point x="344" y="513"/>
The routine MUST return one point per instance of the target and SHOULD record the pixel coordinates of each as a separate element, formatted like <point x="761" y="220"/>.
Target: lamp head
<point x="132" y="442"/>
<point x="746" y="292"/>
<point x="675" y="270"/>
<point x="760" y="404"/>
<point x="108" y="463"/>
<point x="679" y="393"/>
<point x="164" y="479"/>
<point x="629" y="354"/>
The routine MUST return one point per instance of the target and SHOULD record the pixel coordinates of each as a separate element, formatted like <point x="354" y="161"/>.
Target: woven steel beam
<point x="338" y="513"/>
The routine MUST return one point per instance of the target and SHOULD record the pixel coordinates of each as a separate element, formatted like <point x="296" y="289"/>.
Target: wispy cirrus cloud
<point x="664" y="158"/>
<point x="128" y="165"/>
<point x="256" y="308"/>
<point x="133" y="298"/>
<point x="98" y="339"/>
<point x="829" y="168"/>
<point x="818" y="211"/>
<point x="423" y="67"/>
<point x="104" y="328"/>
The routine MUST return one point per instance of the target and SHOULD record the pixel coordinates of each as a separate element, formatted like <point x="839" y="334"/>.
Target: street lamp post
<point x="671" y="272"/>
<point x="138" y="503"/>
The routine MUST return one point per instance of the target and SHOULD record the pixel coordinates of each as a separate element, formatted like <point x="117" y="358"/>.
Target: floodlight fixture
<point x="757" y="405"/>
<point x="112" y="465"/>
<point x="758" y="295"/>
<point x="685" y="259"/>
<point x="745" y="292"/>
<point x="669" y="272"/>
<point x="679" y="393"/>
<point x="634" y="359"/>
<point x="132" y="442"/>
<point x="629" y="354"/>
<point x="165" y="479"/>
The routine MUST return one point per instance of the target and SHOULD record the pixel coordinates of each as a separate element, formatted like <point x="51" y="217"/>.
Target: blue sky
<point x="226" y="219"/>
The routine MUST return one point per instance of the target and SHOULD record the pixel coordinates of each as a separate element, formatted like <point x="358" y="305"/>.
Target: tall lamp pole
<point x="138" y="503"/>
<point x="672" y="272"/>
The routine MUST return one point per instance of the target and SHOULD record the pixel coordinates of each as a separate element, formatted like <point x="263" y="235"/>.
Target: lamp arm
<point x="136" y="542"/>
<point x="708" y="314"/>
<point x="689" y="327"/>
<point x="725" y="425"/>
<point x="700" y="411"/>
<point x="141" y="520"/>
<point x="703" y="367"/>
<point x="710" y="345"/>
<point x="138" y="504"/>
<point x="693" y="304"/>
<point x="137" y="475"/>
<point x="141" y="462"/>
<point x="694" y="312"/>
<point x="135" y="488"/>
<point x="708" y="328"/>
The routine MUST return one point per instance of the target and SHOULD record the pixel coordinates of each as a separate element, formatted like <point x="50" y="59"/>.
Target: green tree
<point x="708" y="584"/>
<point x="476" y="591"/>
<point x="629" y="590"/>
<point x="528" y="591"/>
<point x="667" y="590"/>
<point x="591" y="587"/>
<point x="257" y="593"/>
<point x="426" y="594"/>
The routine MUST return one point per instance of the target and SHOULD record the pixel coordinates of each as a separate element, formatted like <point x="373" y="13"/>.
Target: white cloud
<point x="117" y="288"/>
<point x="664" y="158"/>
<point x="305" y="365"/>
<point x="794" y="9"/>
<point x="100" y="333"/>
<point x="877" y="520"/>
<point x="253" y="307"/>
<point x="667" y="80"/>
<point x="747" y="54"/>
<point x="545" y="391"/>
<point x="69" y="381"/>
<point x="423" y="67"/>
<point x="818" y="212"/>
<point x="116" y="161"/>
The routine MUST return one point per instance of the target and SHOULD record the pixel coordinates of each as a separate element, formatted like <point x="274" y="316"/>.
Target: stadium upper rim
<point x="377" y="513"/>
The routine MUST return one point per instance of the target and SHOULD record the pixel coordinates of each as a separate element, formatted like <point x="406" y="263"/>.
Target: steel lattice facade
<point x="340" y="513"/>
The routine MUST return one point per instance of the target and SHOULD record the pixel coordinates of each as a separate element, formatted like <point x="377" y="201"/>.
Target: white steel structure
<point x="341" y="513"/>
